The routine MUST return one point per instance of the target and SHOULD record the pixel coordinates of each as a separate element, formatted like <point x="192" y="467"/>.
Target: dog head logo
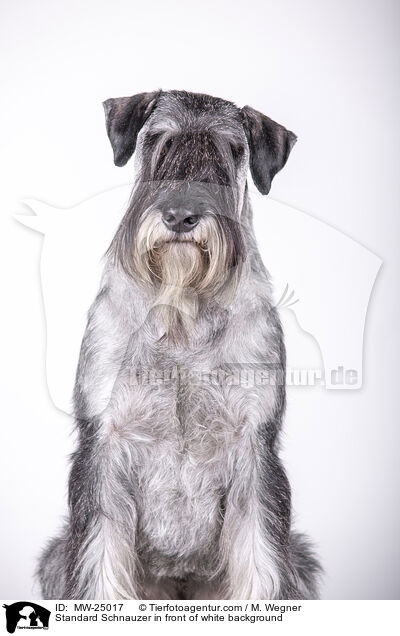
<point x="322" y="279"/>
<point x="26" y="615"/>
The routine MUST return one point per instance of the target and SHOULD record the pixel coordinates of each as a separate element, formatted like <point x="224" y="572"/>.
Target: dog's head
<point x="182" y="232"/>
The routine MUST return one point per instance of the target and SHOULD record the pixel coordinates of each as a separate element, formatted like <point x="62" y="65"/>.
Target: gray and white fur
<point x="176" y="489"/>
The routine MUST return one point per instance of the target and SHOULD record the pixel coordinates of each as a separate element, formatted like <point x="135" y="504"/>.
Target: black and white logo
<point x="26" y="615"/>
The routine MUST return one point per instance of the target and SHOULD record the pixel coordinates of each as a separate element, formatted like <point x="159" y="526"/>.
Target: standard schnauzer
<point x="176" y="489"/>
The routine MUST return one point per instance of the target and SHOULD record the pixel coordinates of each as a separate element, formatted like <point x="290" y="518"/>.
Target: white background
<point x="328" y="70"/>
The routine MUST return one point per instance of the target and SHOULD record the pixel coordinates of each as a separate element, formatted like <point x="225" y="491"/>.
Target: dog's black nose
<point x="180" y="220"/>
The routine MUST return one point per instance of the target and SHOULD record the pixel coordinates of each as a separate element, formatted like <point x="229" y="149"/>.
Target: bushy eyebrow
<point x="167" y="125"/>
<point x="155" y="133"/>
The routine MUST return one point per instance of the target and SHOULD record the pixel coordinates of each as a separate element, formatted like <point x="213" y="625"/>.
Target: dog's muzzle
<point x="180" y="220"/>
<point x="183" y="205"/>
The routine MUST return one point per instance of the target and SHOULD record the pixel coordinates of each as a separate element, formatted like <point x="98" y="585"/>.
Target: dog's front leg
<point x="101" y="560"/>
<point x="255" y="532"/>
<point x="100" y="543"/>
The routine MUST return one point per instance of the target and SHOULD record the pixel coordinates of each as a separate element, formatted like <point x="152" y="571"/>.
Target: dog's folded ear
<point x="270" y="145"/>
<point x="125" y="117"/>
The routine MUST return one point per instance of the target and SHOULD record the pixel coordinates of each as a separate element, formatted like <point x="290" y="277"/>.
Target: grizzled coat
<point x="176" y="488"/>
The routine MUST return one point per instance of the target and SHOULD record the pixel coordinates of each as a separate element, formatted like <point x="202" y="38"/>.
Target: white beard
<point x="177" y="301"/>
<point x="182" y="271"/>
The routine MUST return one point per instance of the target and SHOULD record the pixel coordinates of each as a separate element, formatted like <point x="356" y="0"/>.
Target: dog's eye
<point x="166" y="147"/>
<point x="237" y="152"/>
<point x="151" y="139"/>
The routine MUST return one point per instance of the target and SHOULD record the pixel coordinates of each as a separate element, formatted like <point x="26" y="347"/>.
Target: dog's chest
<point x="187" y="422"/>
<point x="184" y="463"/>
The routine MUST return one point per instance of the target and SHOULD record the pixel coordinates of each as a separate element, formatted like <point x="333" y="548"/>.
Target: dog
<point x="176" y="489"/>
